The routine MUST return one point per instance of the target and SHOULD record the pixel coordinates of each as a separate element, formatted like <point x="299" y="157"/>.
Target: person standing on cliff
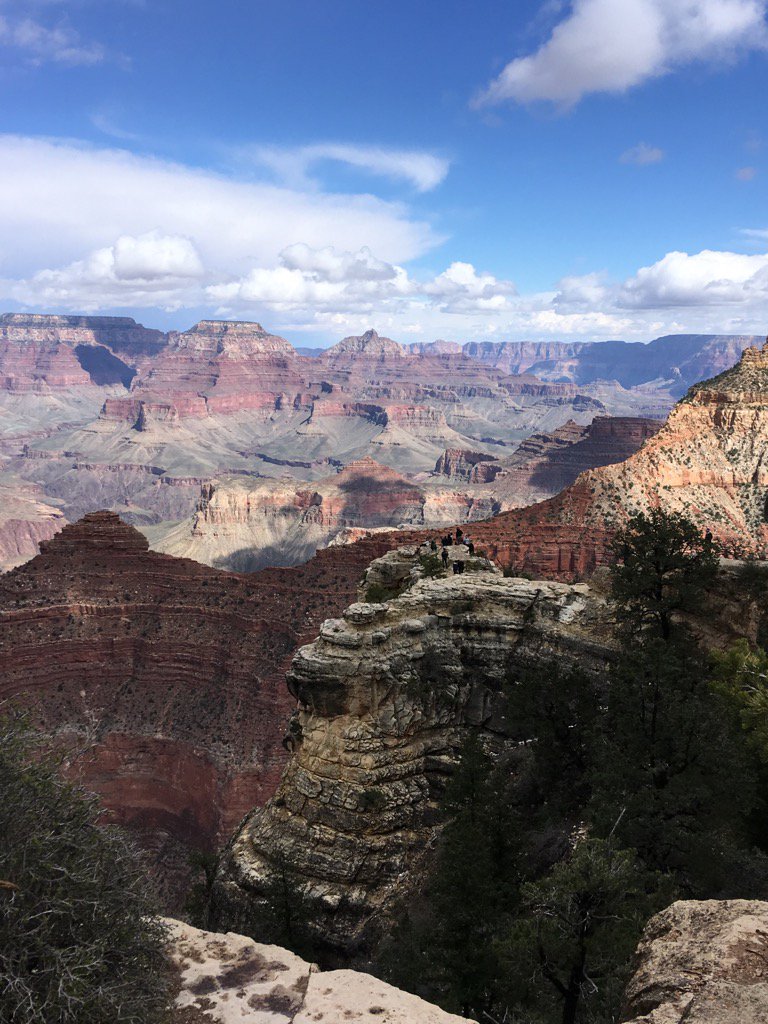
<point x="444" y="557"/>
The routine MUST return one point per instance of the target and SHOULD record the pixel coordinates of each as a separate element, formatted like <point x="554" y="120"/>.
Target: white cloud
<point x="59" y="200"/>
<point x="309" y="280"/>
<point x="588" y="291"/>
<point x="292" y="165"/>
<point x="613" y="45"/>
<point x="461" y="288"/>
<point x="746" y="173"/>
<point x="316" y="279"/>
<point x="151" y="269"/>
<point x="40" y="44"/>
<point x="642" y="155"/>
<point x="706" y="278"/>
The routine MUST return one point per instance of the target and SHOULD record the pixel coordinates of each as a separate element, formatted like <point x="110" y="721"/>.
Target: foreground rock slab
<point x="703" y="963"/>
<point x="229" y="979"/>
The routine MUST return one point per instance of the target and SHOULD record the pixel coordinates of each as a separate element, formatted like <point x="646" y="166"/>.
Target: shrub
<point x="79" y="941"/>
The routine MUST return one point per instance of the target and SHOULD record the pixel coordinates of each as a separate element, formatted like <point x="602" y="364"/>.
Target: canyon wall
<point x="164" y="680"/>
<point x="708" y="462"/>
<point x="385" y="696"/>
<point x="702" y="962"/>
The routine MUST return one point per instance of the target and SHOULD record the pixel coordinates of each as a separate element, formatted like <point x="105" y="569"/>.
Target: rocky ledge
<point x="702" y="963"/>
<point x="385" y="696"/>
<point x="225" y="979"/>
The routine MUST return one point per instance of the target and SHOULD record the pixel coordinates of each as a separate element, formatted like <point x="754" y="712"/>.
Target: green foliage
<point x="431" y="565"/>
<point x="579" y="927"/>
<point x="79" y="941"/>
<point x="741" y="675"/>
<point x="753" y="578"/>
<point x="559" y="708"/>
<point x="372" y="799"/>
<point x="284" y="911"/>
<point x="377" y="593"/>
<point x="664" y="567"/>
<point x="620" y="792"/>
<point x="473" y="885"/>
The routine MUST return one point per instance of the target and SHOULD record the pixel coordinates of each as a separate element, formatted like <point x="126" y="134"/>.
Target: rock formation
<point x="25" y="520"/>
<point x="185" y="411"/>
<point x="680" y="360"/>
<point x="546" y="463"/>
<point x="246" y="524"/>
<point x="702" y="963"/>
<point x="165" y="677"/>
<point x="385" y="696"/>
<point x="229" y="979"/>
<point x="708" y="461"/>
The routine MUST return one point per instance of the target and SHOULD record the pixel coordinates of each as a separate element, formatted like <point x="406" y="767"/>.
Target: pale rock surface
<point x="229" y="979"/>
<point x="702" y="963"/>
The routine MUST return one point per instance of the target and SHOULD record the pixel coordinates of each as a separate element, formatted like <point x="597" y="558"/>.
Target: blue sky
<point x="492" y="169"/>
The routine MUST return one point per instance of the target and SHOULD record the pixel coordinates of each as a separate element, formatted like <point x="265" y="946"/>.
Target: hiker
<point x="433" y="545"/>
<point x="459" y="534"/>
<point x="456" y="567"/>
<point x="471" y="548"/>
<point x="444" y="557"/>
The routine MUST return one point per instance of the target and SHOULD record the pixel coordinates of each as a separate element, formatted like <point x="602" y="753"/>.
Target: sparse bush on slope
<point x="79" y="943"/>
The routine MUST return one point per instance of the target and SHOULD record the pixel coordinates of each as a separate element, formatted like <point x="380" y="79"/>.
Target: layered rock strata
<point x="385" y="696"/>
<point x="702" y="963"/>
<point x="246" y="524"/>
<point x="164" y="679"/>
<point x="229" y="979"/>
<point x="681" y="359"/>
<point x="709" y="462"/>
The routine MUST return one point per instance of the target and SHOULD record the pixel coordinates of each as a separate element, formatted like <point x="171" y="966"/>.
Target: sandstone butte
<point x="386" y="695"/>
<point x="163" y="678"/>
<point x="709" y="461"/>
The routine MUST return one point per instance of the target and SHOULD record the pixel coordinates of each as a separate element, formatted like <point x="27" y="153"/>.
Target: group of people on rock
<point x="452" y="540"/>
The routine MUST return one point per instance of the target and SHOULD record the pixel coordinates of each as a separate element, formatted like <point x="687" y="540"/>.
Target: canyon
<point x="708" y="461"/>
<point x="385" y="697"/>
<point x="162" y="680"/>
<point x="175" y="430"/>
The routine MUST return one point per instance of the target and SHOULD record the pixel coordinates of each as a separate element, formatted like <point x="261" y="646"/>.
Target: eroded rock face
<point x="245" y="524"/>
<point x="25" y="520"/>
<point x="702" y="963"/>
<point x="680" y="359"/>
<point x="385" y="696"/>
<point x="164" y="678"/>
<point x="229" y="979"/>
<point x="709" y="462"/>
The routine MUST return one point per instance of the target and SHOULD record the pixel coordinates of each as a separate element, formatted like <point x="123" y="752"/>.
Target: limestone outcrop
<point x="385" y="696"/>
<point x="702" y="963"/>
<point x="230" y="979"/>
